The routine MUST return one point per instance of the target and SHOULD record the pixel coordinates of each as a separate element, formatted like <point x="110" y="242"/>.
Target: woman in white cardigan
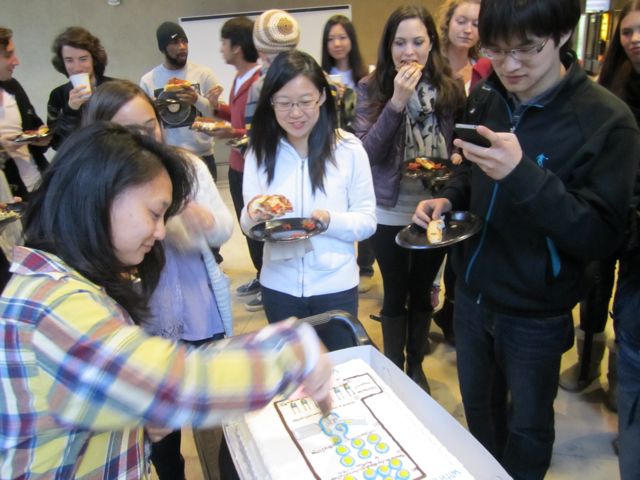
<point x="297" y="152"/>
<point x="192" y="300"/>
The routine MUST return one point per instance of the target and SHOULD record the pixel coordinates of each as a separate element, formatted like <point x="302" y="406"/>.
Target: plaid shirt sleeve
<point x="109" y="375"/>
<point x="78" y="380"/>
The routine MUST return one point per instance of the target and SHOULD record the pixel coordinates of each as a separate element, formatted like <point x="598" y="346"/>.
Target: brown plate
<point x="287" y="229"/>
<point x="458" y="227"/>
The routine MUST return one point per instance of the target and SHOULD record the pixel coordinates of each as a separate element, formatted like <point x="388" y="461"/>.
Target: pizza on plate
<point x="208" y="125"/>
<point x="274" y="205"/>
<point x="176" y="84"/>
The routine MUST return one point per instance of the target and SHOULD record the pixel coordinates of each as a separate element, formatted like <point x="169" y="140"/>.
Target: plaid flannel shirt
<point x="78" y="381"/>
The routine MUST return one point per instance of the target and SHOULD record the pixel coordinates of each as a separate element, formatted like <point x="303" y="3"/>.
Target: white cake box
<point x="458" y="441"/>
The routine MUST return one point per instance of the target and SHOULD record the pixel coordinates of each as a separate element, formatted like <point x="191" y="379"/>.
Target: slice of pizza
<point x="209" y="125"/>
<point x="176" y="84"/>
<point x="274" y="205"/>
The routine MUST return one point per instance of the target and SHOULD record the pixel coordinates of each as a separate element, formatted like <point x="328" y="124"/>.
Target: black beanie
<point x="169" y="31"/>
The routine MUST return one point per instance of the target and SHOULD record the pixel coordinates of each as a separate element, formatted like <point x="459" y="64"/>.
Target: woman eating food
<point x="406" y="109"/>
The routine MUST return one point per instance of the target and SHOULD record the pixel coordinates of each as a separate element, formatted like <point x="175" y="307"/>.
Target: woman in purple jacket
<point x="406" y="109"/>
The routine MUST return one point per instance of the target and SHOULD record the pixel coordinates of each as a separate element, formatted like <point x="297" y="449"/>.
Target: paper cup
<point x="81" y="79"/>
<point x="335" y="78"/>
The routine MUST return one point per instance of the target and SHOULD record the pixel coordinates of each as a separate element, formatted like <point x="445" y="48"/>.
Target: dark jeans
<point x="365" y="258"/>
<point x="407" y="275"/>
<point x="628" y="409"/>
<point x="508" y="367"/>
<point x="235" y="188"/>
<point x="279" y="306"/>
<point x="165" y="454"/>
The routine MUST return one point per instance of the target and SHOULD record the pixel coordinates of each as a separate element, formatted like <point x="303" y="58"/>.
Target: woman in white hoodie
<point x="296" y="151"/>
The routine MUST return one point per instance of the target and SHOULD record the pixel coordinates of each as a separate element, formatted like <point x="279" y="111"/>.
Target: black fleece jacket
<point x="563" y="205"/>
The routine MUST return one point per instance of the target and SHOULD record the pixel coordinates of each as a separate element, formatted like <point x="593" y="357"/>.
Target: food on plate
<point x="435" y="228"/>
<point x="309" y="224"/>
<point x="176" y="84"/>
<point x="6" y="214"/>
<point x="209" y="125"/>
<point x="274" y="205"/>
<point x="424" y="163"/>
<point x="42" y="131"/>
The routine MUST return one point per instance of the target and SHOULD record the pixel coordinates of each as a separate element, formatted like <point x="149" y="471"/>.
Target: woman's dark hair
<point x="358" y="69"/>
<point x="505" y="20"/>
<point x="265" y="130"/>
<point x="446" y="14"/>
<point x="239" y="31"/>
<point x="450" y="96"/>
<point x="69" y="213"/>
<point x="78" y="37"/>
<point x="616" y="67"/>
<point x="109" y="98"/>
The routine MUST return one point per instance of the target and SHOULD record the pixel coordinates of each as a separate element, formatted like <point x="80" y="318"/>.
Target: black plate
<point x="436" y="175"/>
<point x="458" y="227"/>
<point x="30" y="137"/>
<point x="240" y="142"/>
<point x="287" y="229"/>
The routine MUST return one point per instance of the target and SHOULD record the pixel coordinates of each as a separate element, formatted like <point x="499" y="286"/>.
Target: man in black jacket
<point x="24" y="162"/>
<point x="553" y="189"/>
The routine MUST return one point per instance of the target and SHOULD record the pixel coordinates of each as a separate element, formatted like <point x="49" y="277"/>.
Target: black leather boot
<point x="394" y="337"/>
<point x="417" y="346"/>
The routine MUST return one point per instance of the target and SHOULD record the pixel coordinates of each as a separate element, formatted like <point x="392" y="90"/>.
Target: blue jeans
<point x="508" y="368"/>
<point x="280" y="306"/>
<point x="628" y="405"/>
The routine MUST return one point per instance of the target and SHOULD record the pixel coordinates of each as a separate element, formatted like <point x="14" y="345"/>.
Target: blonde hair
<point x="446" y="14"/>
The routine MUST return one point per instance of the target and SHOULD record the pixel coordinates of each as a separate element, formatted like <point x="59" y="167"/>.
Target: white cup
<point x="336" y="78"/>
<point x="81" y="79"/>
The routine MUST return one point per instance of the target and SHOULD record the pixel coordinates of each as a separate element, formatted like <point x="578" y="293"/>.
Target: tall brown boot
<point x="417" y="338"/>
<point x="394" y="335"/>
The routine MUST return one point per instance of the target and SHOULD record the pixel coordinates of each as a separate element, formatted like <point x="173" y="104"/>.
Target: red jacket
<point x="234" y="112"/>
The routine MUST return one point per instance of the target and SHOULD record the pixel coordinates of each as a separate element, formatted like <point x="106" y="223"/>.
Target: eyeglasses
<point x="522" y="53"/>
<point x="285" y="106"/>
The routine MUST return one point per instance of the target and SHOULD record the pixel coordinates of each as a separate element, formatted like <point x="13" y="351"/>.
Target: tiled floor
<point x="584" y="427"/>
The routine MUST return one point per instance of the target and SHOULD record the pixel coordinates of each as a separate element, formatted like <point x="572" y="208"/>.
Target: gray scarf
<point x="423" y="135"/>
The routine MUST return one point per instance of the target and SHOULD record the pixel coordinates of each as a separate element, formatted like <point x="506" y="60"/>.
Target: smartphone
<point x="468" y="133"/>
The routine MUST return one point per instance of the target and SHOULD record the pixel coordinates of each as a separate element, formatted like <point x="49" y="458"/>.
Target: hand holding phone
<point x="468" y="133"/>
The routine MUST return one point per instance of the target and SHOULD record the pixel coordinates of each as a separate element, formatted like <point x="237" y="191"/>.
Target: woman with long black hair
<point x="296" y="151"/>
<point x="406" y="108"/>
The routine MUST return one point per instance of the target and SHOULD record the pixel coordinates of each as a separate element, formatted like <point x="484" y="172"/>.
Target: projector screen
<point x="204" y="37"/>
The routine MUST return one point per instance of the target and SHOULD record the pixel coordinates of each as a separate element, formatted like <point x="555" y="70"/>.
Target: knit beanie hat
<point x="275" y="31"/>
<point x="167" y="32"/>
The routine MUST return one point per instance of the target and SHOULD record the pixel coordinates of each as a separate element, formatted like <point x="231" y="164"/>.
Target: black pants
<point x="365" y="258"/>
<point x="165" y="454"/>
<point x="235" y="188"/>
<point x="407" y="275"/>
<point x="210" y="161"/>
<point x="594" y="308"/>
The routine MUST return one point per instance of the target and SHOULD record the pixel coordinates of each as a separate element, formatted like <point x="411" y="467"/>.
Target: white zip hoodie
<point x="330" y="267"/>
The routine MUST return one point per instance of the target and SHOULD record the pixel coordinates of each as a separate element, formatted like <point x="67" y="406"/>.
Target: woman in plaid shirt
<point x="80" y="381"/>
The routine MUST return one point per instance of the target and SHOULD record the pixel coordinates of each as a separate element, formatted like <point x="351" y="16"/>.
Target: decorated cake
<point x="369" y="434"/>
